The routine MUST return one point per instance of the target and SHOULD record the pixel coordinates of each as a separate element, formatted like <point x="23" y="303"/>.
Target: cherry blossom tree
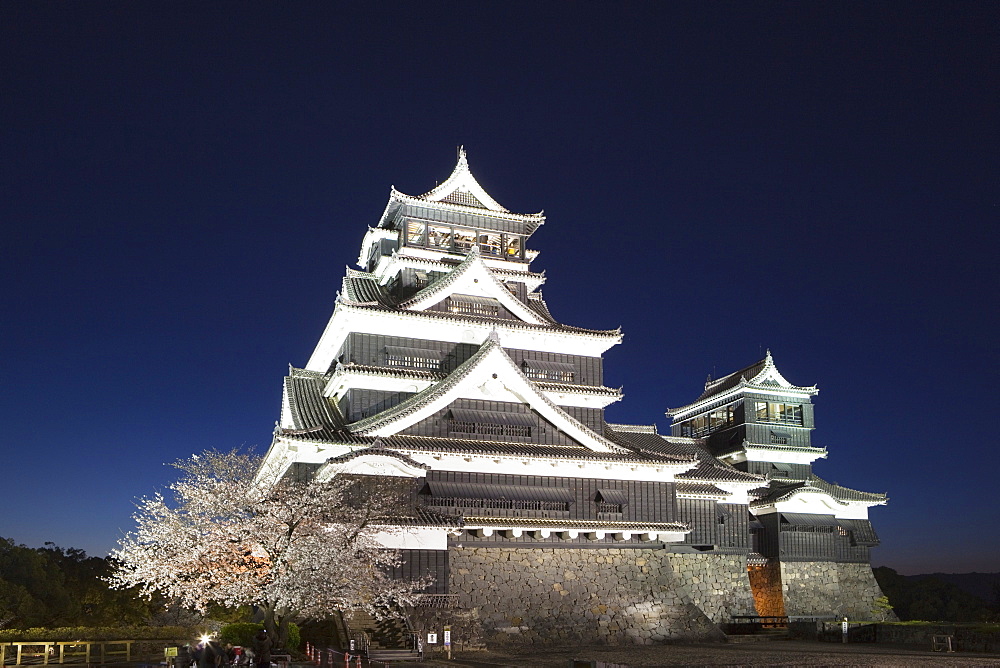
<point x="228" y="533"/>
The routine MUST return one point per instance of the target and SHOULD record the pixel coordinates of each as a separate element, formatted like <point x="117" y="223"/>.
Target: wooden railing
<point x="45" y="652"/>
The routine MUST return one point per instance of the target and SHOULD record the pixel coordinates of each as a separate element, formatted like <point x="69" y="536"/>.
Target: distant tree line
<point x="933" y="599"/>
<point x="51" y="586"/>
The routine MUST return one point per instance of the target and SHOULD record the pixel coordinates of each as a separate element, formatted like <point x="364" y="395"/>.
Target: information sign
<point x="432" y="638"/>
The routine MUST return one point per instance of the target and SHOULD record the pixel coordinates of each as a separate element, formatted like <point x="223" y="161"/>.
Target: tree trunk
<point x="283" y="632"/>
<point x="276" y="625"/>
<point x="269" y="624"/>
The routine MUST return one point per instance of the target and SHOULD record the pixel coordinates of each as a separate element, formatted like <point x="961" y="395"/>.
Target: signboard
<point x="169" y="651"/>
<point x="432" y="638"/>
<point x="352" y="645"/>
<point x="447" y="635"/>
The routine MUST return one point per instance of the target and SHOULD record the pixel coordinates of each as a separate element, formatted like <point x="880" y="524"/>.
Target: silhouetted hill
<point x="984" y="585"/>
<point x="933" y="598"/>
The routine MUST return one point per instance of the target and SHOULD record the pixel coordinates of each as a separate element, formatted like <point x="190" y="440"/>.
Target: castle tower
<point x="811" y="539"/>
<point x="443" y="368"/>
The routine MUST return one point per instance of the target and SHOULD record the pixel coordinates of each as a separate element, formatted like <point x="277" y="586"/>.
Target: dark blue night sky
<point x="183" y="185"/>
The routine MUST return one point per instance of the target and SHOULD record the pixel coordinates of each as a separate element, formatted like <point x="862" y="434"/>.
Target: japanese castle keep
<point x="540" y="522"/>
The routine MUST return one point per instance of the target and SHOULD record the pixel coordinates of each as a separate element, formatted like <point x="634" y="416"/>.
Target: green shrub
<point x="294" y="636"/>
<point x="239" y="633"/>
<point x="242" y="633"/>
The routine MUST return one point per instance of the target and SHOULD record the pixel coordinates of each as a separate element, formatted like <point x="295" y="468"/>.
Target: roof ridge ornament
<point x="462" y="180"/>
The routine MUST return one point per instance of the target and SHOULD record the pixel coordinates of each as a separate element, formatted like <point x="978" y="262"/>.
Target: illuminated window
<point x="768" y="411"/>
<point x="707" y="423"/>
<point x="513" y="246"/>
<point x="489" y="243"/>
<point x="438" y="236"/>
<point x="464" y="239"/>
<point x="415" y="233"/>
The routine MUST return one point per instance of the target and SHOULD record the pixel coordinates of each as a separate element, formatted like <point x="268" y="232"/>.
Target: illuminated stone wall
<point x="765" y="582"/>
<point x="558" y="596"/>
<point x="859" y="589"/>
<point x="716" y="583"/>
<point x="817" y="588"/>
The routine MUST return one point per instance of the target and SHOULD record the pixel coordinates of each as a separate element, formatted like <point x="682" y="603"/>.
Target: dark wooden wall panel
<point x="416" y="564"/>
<point x="807" y="546"/>
<point x="648" y="501"/>
<point x="734" y="531"/>
<point x="358" y="403"/>
<point x="701" y="514"/>
<point x="362" y="348"/>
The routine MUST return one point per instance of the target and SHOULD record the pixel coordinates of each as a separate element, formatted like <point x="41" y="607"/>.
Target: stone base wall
<point x="818" y="588"/>
<point x="558" y="596"/>
<point x="859" y="589"/>
<point x="717" y="583"/>
<point x="466" y="632"/>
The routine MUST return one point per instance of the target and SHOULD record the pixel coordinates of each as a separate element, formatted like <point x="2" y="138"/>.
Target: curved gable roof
<point x="761" y="375"/>
<point x="473" y="277"/>
<point x="490" y="365"/>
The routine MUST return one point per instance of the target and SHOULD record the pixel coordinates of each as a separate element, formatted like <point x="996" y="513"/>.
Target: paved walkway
<point x="777" y="653"/>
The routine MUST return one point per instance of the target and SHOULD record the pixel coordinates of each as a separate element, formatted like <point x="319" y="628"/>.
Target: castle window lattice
<point x="491" y="423"/>
<point x="413" y="358"/>
<point x="611" y="501"/>
<point x="780" y="470"/>
<point x="806" y="523"/>
<point x="469" y="305"/>
<point x="779" y="437"/>
<point x="559" y="372"/>
<point x="496" y="496"/>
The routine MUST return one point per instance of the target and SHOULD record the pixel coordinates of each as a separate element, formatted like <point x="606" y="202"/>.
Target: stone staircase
<point x="387" y="639"/>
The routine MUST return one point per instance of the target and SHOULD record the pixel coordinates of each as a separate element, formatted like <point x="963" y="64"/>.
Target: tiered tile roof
<point x="708" y="470"/>
<point x="782" y="491"/>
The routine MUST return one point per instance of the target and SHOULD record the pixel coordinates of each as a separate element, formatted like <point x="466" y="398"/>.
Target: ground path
<point x="777" y="653"/>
